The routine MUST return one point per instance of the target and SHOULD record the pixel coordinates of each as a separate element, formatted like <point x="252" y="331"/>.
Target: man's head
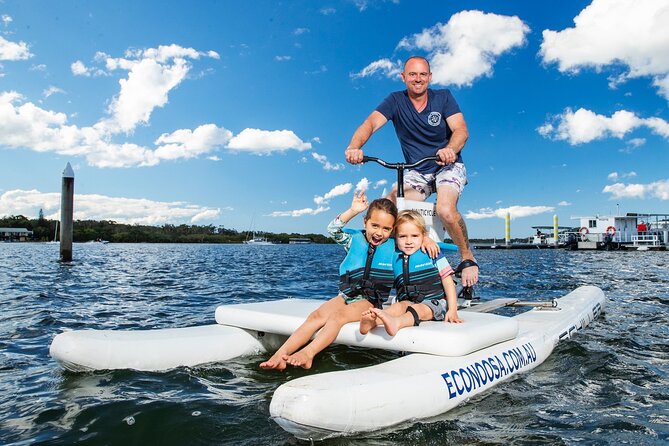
<point x="416" y="75"/>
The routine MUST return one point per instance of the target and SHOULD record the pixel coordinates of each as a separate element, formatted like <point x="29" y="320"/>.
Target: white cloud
<point x="658" y="189"/>
<point x="282" y="58"/>
<point x="328" y="11"/>
<point x="299" y="212"/>
<point x="79" y="69"/>
<point x="463" y="49"/>
<point x="564" y="203"/>
<point x="379" y="184"/>
<point x="6" y="19"/>
<point x="361" y="4"/>
<point x="186" y="143"/>
<point x="29" y="126"/>
<point x="152" y="74"/>
<point x="515" y="211"/>
<point x="583" y="126"/>
<point x="300" y="31"/>
<point x="321" y="69"/>
<point x="327" y="165"/>
<point x="52" y="90"/>
<point x="636" y="142"/>
<point x="265" y="141"/>
<point x="341" y="189"/>
<point x="25" y="125"/>
<point x="363" y="184"/>
<point x="101" y="207"/>
<point x="385" y="67"/>
<point x="321" y="202"/>
<point x="146" y="88"/>
<point x="13" y="51"/>
<point x="629" y="33"/>
<point x="614" y="176"/>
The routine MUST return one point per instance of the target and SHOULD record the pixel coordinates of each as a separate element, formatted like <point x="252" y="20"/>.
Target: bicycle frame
<point x="426" y="209"/>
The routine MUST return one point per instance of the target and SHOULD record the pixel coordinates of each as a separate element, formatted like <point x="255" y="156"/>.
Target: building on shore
<point x="15" y="234"/>
<point x="299" y="240"/>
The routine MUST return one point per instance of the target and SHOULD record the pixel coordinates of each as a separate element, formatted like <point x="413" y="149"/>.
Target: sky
<point x="237" y="114"/>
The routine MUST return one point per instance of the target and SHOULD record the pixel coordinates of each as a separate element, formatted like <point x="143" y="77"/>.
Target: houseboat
<point x="633" y="231"/>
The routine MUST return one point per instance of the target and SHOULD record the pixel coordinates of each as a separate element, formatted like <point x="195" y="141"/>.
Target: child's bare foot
<point x="367" y="321"/>
<point x="276" y="362"/>
<point x="300" y="359"/>
<point x="390" y="323"/>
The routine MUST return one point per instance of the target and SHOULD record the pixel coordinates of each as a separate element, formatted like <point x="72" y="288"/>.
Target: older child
<point x="366" y="278"/>
<point x="425" y="288"/>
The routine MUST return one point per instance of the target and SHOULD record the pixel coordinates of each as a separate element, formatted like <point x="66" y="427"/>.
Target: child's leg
<point x="350" y="313"/>
<point x="370" y="320"/>
<point x="394" y="321"/>
<point x="304" y="332"/>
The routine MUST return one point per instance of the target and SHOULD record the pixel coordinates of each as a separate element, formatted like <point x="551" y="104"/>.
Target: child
<point x="425" y="288"/>
<point x="366" y="277"/>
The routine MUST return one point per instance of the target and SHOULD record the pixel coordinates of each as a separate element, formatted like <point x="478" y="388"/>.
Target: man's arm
<point x="458" y="139"/>
<point x="354" y="150"/>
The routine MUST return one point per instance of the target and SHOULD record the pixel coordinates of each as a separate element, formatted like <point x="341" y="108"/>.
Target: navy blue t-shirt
<point x="421" y="134"/>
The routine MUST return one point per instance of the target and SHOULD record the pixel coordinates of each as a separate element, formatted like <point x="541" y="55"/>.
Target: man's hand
<point x="353" y="155"/>
<point x="446" y="156"/>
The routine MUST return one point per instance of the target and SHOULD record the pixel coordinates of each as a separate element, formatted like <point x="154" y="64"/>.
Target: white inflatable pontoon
<point x="450" y="362"/>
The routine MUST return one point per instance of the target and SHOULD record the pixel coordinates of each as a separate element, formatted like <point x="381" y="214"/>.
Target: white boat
<point x="450" y="363"/>
<point x="257" y="241"/>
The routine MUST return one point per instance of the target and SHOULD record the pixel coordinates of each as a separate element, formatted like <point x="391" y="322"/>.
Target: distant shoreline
<point x="44" y="230"/>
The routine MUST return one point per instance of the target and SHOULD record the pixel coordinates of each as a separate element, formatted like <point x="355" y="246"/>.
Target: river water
<point x="608" y="385"/>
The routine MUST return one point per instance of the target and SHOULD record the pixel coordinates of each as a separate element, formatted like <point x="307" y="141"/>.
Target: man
<point x="427" y="123"/>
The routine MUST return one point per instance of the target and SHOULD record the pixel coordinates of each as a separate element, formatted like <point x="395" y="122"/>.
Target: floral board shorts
<point x="453" y="175"/>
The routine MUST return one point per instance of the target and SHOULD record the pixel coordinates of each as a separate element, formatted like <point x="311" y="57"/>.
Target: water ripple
<point x="607" y="386"/>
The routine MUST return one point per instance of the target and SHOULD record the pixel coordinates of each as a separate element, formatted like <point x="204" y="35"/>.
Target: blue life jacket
<point x="367" y="270"/>
<point x="417" y="277"/>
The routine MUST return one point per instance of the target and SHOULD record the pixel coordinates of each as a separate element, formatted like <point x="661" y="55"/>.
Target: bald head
<point x="417" y="58"/>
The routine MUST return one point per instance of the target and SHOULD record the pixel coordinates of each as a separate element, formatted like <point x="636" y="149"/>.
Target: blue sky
<point x="238" y="113"/>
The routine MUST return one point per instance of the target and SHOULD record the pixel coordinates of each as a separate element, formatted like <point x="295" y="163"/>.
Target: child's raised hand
<point x="359" y="203"/>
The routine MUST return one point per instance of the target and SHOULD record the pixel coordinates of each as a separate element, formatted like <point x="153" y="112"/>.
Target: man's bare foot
<point x="367" y="321"/>
<point x="390" y="323"/>
<point x="276" y="362"/>
<point x="300" y="359"/>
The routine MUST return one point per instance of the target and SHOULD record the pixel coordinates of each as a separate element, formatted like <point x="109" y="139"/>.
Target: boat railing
<point x="646" y="240"/>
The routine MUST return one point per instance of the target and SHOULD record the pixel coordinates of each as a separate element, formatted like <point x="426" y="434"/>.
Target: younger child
<point x="425" y="288"/>
<point x="366" y="278"/>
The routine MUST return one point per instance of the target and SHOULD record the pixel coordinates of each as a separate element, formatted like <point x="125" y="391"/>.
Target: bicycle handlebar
<point x="398" y="166"/>
<point x="400" y="169"/>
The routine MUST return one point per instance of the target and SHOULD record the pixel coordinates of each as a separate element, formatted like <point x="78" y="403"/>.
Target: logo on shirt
<point x="434" y="118"/>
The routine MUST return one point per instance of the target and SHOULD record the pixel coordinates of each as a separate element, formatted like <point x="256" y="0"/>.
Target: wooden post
<point x="66" y="214"/>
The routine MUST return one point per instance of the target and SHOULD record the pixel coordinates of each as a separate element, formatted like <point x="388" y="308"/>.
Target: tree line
<point x="87" y="230"/>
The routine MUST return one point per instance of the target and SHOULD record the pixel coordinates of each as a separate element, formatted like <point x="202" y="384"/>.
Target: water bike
<point x="448" y="364"/>
<point x="428" y="211"/>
